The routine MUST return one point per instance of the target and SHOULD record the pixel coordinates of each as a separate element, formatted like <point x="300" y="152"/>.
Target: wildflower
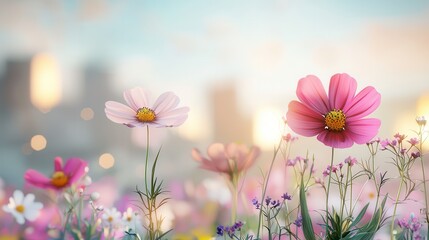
<point x="286" y="196"/>
<point x="298" y="221"/>
<point x="337" y="118"/>
<point x="111" y="217"/>
<point x="139" y="112"/>
<point x="289" y="138"/>
<point x="230" y="159"/>
<point x="415" y="155"/>
<point x="413" y="141"/>
<point x="256" y="203"/>
<point x="421" y="121"/>
<point x="23" y="207"/>
<point x="130" y="218"/>
<point x="350" y="161"/>
<point x="399" y="137"/>
<point x="62" y="177"/>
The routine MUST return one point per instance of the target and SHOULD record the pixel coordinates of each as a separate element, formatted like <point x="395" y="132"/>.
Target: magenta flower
<point x="139" y="112"/>
<point x="229" y="159"/>
<point x="336" y="118"/>
<point x="62" y="177"/>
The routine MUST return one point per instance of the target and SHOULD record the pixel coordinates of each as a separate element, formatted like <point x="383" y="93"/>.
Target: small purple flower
<point x="275" y="203"/>
<point x="413" y="141"/>
<point x="291" y="162"/>
<point x="286" y="196"/>
<point x="256" y="203"/>
<point x="399" y="137"/>
<point x="220" y="230"/>
<point x="403" y="223"/>
<point x="267" y="200"/>
<point x="384" y="144"/>
<point x="298" y="221"/>
<point x="415" y="155"/>
<point x="350" y="161"/>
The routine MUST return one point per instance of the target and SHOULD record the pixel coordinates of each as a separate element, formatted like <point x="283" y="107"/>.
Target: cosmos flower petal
<point x="304" y="120"/>
<point x="171" y="122"/>
<point x="119" y="113"/>
<point x="32" y="212"/>
<point x="37" y="179"/>
<point x="363" y="130"/>
<point x="28" y="199"/>
<point x="342" y="89"/>
<point x="75" y="169"/>
<point x="19" y="217"/>
<point x="165" y="102"/>
<point x="311" y="92"/>
<point x="58" y="164"/>
<point x="18" y="197"/>
<point x="216" y="152"/>
<point x="136" y="98"/>
<point x="174" y="112"/>
<point x="363" y="104"/>
<point x="335" y="139"/>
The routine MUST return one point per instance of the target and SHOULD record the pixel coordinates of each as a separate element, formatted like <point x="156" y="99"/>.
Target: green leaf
<point x="359" y="216"/>
<point x="307" y="225"/>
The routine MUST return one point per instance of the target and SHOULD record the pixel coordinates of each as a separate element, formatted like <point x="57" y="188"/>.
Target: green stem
<point x="424" y="178"/>
<point x="147" y="159"/>
<point x="392" y="225"/>
<point x="265" y="187"/>
<point x="327" y="192"/>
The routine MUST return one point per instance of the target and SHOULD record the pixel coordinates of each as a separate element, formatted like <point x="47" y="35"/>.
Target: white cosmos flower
<point x="23" y="207"/>
<point x="111" y="217"/>
<point x="131" y="219"/>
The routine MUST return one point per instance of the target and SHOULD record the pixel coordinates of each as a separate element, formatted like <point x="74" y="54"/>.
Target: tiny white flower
<point x="23" y="207"/>
<point x="111" y="217"/>
<point x="131" y="219"/>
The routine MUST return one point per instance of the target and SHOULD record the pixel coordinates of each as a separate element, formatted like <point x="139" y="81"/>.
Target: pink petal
<point x="335" y="139"/>
<point x="172" y="118"/>
<point x="119" y="113"/>
<point x="365" y="102"/>
<point x="74" y="169"/>
<point x="342" y="89"/>
<point x="165" y="102"/>
<point x="171" y="122"/>
<point x="136" y="98"/>
<point x="58" y="164"/>
<point x="37" y="179"/>
<point x="251" y="157"/>
<point x="303" y="120"/>
<point x="363" y="130"/>
<point x="204" y="162"/>
<point x="311" y="92"/>
<point x="216" y="152"/>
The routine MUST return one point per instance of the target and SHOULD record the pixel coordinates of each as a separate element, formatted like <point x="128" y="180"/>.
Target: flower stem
<point x="327" y="192"/>
<point x="147" y="159"/>
<point x="424" y="178"/>
<point x="392" y="225"/>
<point x="264" y="189"/>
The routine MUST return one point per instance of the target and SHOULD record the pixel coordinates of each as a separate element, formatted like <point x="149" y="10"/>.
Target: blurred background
<point x="236" y="65"/>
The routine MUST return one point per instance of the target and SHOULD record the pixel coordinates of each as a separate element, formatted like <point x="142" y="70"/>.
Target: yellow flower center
<point x="59" y="179"/>
<point x="129" y="219"/>
<point x="371" y="195"/>
<point x="145" y="114"/>
<point x="335" y="120"/>
<point x="20" y="208"/>
<point x="110" y="219"/>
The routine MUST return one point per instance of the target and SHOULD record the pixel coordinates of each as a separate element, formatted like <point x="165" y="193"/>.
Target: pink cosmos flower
<point x="140" y="112"/>
<point x="63" y="176"/>
<point x="337" y="118"/>
<point x="229" y="159"/>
